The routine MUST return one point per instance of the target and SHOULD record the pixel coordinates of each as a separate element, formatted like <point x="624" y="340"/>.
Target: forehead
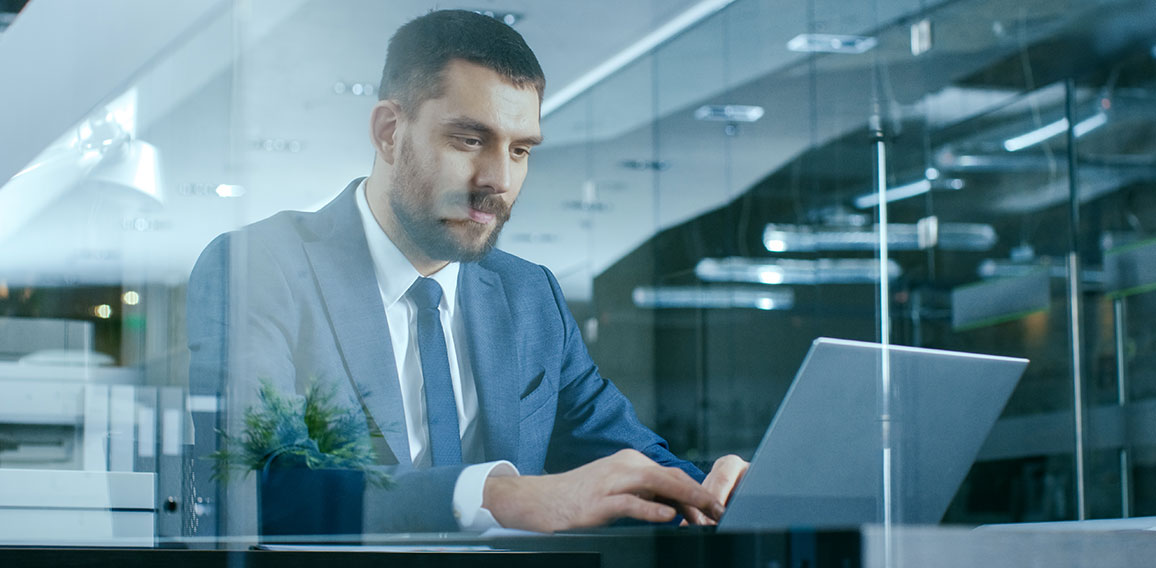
<point x="481" y="94"/>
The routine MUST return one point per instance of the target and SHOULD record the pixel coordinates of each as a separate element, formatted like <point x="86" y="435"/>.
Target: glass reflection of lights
<point x="1054" y="129"/>
<point x="717" y="297"/>
<point x="946" y="236"/>
<point x="787" y="271"/>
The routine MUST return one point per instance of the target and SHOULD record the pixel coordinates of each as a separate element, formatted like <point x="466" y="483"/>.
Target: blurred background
<point x="708" y="195"/>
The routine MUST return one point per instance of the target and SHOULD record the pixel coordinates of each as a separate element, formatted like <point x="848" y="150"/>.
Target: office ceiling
<point x="260" y="95"/>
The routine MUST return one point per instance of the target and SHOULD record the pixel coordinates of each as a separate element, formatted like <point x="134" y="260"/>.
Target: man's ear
<point x="383" y="124"/>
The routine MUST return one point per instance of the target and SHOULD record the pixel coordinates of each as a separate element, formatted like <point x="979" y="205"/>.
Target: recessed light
<point x="355" y="89"/>
<point x="831" y="43"/>
<point x="508" y="18"/>
<point x="228" y="190"/>
<point x="656" y="165"/>
<point x="278" y="145"/>
<point x="729" y="113"/>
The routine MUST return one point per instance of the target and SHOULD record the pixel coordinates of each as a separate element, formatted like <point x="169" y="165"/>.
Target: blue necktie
<point x="441" y="410"/>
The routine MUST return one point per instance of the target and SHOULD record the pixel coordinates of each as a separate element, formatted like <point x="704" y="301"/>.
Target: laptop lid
<point x="820" y="463"/>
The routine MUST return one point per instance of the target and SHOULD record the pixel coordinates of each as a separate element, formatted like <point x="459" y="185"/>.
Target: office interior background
<point x="708" y="196"/>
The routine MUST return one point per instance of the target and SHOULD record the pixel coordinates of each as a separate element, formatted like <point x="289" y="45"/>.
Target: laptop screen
<point x="841" y="429"/>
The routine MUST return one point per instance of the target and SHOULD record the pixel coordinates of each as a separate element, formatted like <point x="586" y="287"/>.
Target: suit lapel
<point x="344" y="272"/>
<point x="494" y="358"/>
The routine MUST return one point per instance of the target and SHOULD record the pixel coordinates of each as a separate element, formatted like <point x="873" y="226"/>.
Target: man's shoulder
<point x="510" y="266"/>
<point x="287" y="229"/>
<point x="284" y="230"/>
<point x="522" y="278"/>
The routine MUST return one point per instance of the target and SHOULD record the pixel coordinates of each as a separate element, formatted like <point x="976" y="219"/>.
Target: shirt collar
<point x="394" y="272"/>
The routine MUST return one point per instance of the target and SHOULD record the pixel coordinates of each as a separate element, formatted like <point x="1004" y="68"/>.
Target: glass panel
<point x="709" y="209"/>
<point x="99" y="232"/>
<point x="1117" y="258"/>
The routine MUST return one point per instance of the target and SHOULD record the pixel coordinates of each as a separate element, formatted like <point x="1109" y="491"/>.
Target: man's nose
<point x="493" y="172"/>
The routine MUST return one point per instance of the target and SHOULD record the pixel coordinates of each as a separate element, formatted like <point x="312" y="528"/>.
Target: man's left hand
<point x="720" y="482"/>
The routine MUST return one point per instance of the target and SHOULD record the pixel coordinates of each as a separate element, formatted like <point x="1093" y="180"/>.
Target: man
<point x="397" y="277"/>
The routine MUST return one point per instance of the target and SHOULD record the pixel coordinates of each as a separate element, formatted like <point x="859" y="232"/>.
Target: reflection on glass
<point x="704" y="196"/>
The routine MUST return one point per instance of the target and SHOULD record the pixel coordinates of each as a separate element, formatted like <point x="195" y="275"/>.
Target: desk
<point x="119" y="558"/>
<point x="941" y="547"/>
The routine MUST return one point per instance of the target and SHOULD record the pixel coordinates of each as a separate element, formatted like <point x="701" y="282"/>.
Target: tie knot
<point x="426" y="293"/>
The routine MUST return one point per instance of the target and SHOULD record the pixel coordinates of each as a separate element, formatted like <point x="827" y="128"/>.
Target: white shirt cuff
<point x="468" y="493"/>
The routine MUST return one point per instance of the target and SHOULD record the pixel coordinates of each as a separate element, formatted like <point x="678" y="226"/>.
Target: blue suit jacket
<point x="294" y="298"/>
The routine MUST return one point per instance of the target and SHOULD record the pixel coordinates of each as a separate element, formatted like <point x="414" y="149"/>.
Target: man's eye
<point x="521" y="152"/>
<point x="471" y="142"/>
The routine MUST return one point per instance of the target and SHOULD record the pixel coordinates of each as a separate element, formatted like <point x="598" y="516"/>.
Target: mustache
<point x="488" y="203"/>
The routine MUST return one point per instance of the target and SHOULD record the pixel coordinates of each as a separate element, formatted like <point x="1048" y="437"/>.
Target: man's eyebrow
<point x="466" y="123"/>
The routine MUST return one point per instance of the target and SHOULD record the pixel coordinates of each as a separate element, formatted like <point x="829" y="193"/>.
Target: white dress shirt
<point x="395" y="275"/>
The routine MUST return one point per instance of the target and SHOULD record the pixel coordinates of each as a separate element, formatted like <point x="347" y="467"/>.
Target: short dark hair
<point x="420" y="50"/>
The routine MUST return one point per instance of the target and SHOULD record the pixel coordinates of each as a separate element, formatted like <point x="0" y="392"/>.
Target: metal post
<point x="1122" y="402"/>
<point x="1075" y="301"/>
<point x="884" y="339"/>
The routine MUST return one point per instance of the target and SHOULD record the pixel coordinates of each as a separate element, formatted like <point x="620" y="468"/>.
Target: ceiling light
<point x="905" y="191"/>
<point x="656" y="165"/>
<point x="921" y="37"/>
<point x="713" y="297"/>
<point x="786" y="271"/>
<point x="508" y="18"/>
<point x="227" y="190"/>
<point x="869" y="200"/>
<point x="729" y="113"/>
<point x="1000" y="268"/>
<point x="278" y="145"/>
<point x="831" y="43"/>
<point x="1054" y="129"/>
<point x="948" y="236"/>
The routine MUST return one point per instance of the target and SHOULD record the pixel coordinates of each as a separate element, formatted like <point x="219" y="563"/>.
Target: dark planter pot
<point x="309" y="504"/>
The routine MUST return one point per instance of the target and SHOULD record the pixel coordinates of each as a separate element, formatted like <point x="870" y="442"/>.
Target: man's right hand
<point x="626" y="484"/>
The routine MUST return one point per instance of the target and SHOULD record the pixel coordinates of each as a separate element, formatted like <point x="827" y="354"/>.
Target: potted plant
<point x="314" y="458"/>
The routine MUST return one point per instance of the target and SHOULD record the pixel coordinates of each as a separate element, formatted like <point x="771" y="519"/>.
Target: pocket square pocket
<point x="532" y="385"/>
<point x="537" y="394"/>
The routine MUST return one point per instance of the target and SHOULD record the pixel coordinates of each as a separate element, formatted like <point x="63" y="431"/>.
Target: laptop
<point x="821" y="461"/>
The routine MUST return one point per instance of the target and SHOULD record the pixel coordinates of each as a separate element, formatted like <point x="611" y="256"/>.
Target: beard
<point x="416" y="210"/>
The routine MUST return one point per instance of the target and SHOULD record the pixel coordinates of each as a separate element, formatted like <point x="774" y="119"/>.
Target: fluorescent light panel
<point x="789" y="271"/>
<point x="949" y="236"/>
<point x="869" y="200"/>
<point x="831" y="43"/>
<point x="729" y="113"/>
<point x="657" y="297"/>
<point x="1051" y="130"/>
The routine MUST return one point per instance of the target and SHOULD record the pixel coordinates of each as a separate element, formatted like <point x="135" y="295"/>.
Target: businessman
<point x="465" y="360"/>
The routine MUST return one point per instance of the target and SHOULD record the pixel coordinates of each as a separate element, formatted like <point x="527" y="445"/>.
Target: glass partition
<point x="748" y="177"/>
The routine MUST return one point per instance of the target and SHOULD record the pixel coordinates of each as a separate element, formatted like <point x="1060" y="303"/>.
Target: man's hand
<point x="720" y="482"/>
<point x="626" y="484"/>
